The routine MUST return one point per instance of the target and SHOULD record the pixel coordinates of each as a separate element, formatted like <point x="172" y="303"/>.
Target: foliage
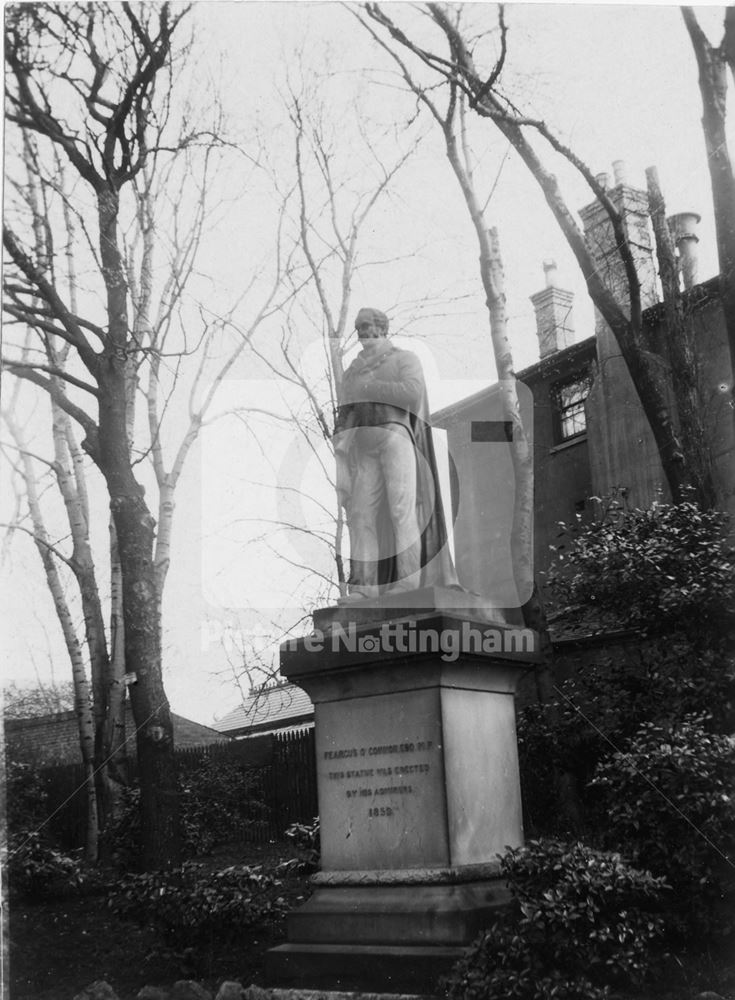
<point x="193" y="909"/>
<point x="669" y="567"/>
<point x="583" y="922"/>
<point x="601" y="708"/>
<point x="639" y="732"/>
<point x="26" y="796"/>
<point x="220" y="799"/>
<point x="305" y="837"/>
<point x="36" y="870"/>
<point x="668" y="799"/>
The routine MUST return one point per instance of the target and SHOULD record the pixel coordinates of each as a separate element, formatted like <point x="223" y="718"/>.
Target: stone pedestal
<point x="417" y="773"/>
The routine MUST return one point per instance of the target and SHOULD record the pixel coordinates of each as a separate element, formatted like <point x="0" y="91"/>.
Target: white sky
<point x="616" y="82"/>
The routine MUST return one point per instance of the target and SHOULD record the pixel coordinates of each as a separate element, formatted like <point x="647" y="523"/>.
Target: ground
<point x="58" y="947"/>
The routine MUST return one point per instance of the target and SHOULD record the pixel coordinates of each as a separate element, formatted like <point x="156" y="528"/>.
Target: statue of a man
<point x="387" y="476"/>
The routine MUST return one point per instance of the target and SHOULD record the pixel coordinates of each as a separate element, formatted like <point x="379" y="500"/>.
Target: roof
<point x="700" y="295"/>
<point x="270" y="707"/>
<point x="54" y="738"/>
<point x="568" y="356"/>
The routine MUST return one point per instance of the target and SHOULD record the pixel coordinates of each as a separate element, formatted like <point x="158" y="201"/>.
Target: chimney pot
<point x="683" y="229"/>
<point x="550" y="273"/>
<point x="619" y="172"/>
<point x="684" y="225"/>
<point x="603" y="180"/>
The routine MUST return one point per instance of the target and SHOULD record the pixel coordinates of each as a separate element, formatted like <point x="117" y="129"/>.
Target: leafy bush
<point x="192" y="909"/>
<point x="602" y="707"/>
<point x="26" y="796"/>
<point x="669" y="801"/>
<point x="36" y="868"/>
<point x="583" y="921"/>
<point x="305" y="837"/>
<point x="38" y="871"/>
<point x="669" y="567"/>
<point x="220" y="799"/>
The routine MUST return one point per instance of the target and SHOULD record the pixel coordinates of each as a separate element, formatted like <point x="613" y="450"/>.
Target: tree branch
<point x="91" y="440"/>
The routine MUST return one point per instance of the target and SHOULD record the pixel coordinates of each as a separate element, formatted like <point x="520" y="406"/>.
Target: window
<point x="569" y="398"/>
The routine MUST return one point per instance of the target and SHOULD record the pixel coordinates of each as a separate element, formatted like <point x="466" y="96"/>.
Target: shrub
<point x="38" y="871"/>
<point x="26" y="796"/>
<point x="305" y="837"/>
<point x="669" y="802"/>
<point x="583" y="921"/>
<point x="220" y="799"/>
<point x="669" y="567"/>
<point x="36" y="868"/>
<point x="193" y="909"/>
<point x="602" y="707"/>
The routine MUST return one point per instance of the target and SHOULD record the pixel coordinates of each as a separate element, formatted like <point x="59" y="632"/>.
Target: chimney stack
<point x="554" y="319"/>
<point x="632" y="205"/>
<point x="683" y="228"/>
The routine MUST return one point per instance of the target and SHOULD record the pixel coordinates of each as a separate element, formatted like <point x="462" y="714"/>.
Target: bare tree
<point x="83" y="78"/>
<point x="453" y="125"/>
<point x="25" y="701"/>
<point x="331" y="216"/>
<point x="151" y="186"/>
<point x="485" y="96"/>
<point x="51" y="556"/>
<point x="713" y="64"/>
<point x="681" y="355"/>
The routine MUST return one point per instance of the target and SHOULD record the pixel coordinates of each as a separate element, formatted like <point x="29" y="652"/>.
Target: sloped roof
<point x="269" y="707"/>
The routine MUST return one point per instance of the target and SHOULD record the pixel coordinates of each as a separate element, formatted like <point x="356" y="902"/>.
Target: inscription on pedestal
<point x="391" y="775"/>
<point x="381" y="784"/>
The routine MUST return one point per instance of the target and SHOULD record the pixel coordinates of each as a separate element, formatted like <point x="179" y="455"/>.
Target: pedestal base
<point x="369" y="968"/>
<point x="401" y="938"/>
<point x="397" y="915"/>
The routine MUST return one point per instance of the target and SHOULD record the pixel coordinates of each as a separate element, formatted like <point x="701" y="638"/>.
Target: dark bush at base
<point x="670" y="805"/>
<point x="194" y="908"/>
<point x="584" y="921"/>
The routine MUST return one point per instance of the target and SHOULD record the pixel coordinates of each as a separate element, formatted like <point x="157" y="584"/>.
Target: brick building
<point x="54" y="739"/>
<point x="590" y="436"/>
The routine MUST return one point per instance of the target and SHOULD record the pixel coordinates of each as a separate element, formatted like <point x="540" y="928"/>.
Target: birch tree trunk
<point x="114" y="738"/>
<point x="82" y="699"/>
<point x="521" y="451"/>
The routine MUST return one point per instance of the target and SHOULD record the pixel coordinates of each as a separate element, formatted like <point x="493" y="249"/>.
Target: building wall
<point x="715" y="381"/>
<point x="483" y="493"/>
<point x="616" y="459"/>
<point x="562" y="474"/>
<point x="483" y="502"/>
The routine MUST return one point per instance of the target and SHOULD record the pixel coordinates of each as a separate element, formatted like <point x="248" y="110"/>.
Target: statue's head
<point x="371" y="324"/>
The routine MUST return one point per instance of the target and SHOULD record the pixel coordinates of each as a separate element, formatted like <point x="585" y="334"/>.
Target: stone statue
<point x="387" y="477"/>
